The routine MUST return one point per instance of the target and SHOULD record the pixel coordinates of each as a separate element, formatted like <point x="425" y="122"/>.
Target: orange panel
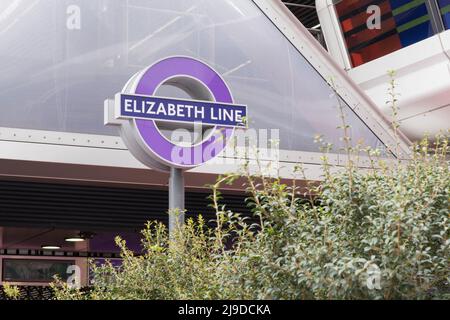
<point x="367" y="34"/>
<point x="376" y="50"/>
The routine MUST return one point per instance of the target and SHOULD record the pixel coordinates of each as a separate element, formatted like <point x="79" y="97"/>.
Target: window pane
<point x="403" y="22"/>
<point x="444" y="7"/>
<point x="23" y="270"/>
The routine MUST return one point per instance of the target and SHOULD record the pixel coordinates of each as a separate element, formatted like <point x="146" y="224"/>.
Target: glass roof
<point x="60" y="60"/>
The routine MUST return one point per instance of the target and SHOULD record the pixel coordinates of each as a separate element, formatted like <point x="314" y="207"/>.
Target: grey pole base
<point x="176" y="199"/>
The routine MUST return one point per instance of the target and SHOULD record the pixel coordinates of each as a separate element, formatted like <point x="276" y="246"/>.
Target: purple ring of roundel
<point x="183" y="66"/>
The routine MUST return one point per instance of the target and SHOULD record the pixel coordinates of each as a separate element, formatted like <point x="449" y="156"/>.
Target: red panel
<point x="346" y="6"/>
<point x="376" y="50"/>
<point x="364" y="36"/>
<point x="367" y="34"/>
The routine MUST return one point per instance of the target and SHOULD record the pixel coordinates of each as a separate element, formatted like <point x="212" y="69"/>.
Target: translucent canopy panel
<point x="59" y="60"/>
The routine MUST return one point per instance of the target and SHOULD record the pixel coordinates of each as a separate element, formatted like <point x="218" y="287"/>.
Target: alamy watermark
<point x="262" y="145"/>
<point x="373" y="22"/>
<point x="74" y="278"/>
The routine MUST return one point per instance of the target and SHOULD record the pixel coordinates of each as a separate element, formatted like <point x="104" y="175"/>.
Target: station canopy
<point x="59" y="60"/>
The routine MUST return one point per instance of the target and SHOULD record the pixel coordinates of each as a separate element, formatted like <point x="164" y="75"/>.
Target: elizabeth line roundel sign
<point x="141" y="113"/>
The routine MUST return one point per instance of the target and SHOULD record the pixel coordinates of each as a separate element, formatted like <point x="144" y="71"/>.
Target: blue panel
<point x="416" y="34"/>
<point x="398" y="3"/>
<point x="446" y="18"/>
<point x="411" y="15"/>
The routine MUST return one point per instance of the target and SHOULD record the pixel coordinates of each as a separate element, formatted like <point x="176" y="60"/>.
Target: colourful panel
<point x="367" y="35"/>
<point x="403" y="22"/>
<point x="348" y="7"/>
<point x="415" y="34"/>
<point x="358" y="21"/>
<point x="376" y="50"/>
<point x="413" y="23"/>
<point x="395" y="4"/>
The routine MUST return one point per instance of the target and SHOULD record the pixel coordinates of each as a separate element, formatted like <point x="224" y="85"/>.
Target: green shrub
<point x="391" y="219"/>
<point x="11" y="292"/>
<point x="380" y="233"/>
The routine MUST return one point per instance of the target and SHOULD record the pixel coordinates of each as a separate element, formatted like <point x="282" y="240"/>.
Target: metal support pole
<point x="176" y="199"/>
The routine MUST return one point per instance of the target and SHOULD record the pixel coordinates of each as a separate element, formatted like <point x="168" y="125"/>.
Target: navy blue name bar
<point x="179" y="110"/>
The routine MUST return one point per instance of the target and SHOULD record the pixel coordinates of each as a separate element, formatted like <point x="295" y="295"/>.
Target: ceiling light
<point x="50" y="247"/>
<point x="74" y="239"/>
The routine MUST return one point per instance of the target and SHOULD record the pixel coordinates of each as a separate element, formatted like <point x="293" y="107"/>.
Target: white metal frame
<point x="422" y="76"/>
